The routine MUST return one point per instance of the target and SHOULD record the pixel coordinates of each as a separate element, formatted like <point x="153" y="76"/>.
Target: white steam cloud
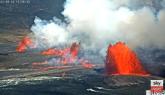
<point x="49" y="33"/>
<point x="97" y="23"/>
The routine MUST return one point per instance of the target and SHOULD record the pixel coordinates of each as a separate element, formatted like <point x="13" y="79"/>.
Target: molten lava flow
<point x="73" y="50"/>
<point x="22" y="46"/>
<point x="123" y="61"/>
<point x="87" y="65"/>
<point x="69" y="55"/>
<point x="56" y="52"/>
<point x="66" y="55"/>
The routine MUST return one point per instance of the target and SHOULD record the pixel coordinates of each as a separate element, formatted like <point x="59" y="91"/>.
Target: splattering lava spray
<point x="122" y="60"/>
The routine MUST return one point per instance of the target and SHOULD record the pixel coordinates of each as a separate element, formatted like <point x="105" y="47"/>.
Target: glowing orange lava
<point x="22" y="46"/>
<point x="88" y="65"/>
<point x="55" y="52"/>
<point x="121" y="60"/>
<point x="67" y="55"/>
<point x="73" y="50"/>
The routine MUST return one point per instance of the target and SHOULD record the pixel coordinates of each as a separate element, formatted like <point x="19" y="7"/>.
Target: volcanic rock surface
<point x="76" y="81"/>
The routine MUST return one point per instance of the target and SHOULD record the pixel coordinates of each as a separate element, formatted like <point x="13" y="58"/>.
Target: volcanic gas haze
<point x="96" y="23"/>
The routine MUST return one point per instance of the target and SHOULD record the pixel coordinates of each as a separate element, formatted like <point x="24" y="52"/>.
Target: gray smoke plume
<point x="96" y="23"/>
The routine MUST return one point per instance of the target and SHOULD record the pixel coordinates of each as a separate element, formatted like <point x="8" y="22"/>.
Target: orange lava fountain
<point x="73" y="51"/>
<point x="55" y="52"/>
<point x="22" y="46"/>
<point x="121" y="60"/>
<point x="67" y="55"/>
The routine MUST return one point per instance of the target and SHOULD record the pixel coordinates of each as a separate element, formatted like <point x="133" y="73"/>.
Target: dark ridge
<point x="18" y="15"/>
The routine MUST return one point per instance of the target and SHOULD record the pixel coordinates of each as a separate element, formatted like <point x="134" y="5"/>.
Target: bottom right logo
<point x="156" y="88"/>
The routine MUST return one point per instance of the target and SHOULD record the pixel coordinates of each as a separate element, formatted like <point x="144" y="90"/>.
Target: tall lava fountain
<point x="122" y="60"/>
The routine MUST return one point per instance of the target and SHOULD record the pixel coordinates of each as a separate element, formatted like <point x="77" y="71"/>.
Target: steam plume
<point x="96" y="23"/>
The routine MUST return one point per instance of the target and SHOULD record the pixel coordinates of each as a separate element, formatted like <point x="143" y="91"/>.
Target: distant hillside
<point x="18" y="15"/>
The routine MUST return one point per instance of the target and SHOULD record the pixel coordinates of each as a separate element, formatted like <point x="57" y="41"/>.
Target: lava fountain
<point x="24" y="44"/>
<point x="121" y="60"/>
<point x="66" y="55"/>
